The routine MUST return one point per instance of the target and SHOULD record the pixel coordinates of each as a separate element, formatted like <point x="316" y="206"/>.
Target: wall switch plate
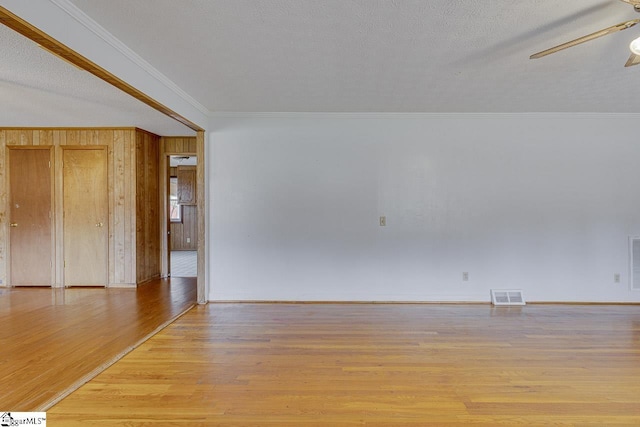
<point x="383" y="221"/>
<point x="616" y="278"/>
<point x="465" y="277"/>
<point x="188" y="239"/>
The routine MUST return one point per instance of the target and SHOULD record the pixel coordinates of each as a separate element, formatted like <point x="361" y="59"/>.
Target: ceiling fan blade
<point x="589" y="37"/>
<point x="633" y="60"/>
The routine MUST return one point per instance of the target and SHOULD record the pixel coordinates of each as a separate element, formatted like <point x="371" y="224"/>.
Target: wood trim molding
<point x="487" y="303"/>
<point x="59" y="49"/>
<point x="581" y="303"/>
<point x="202" y="201"/>
<point x="349" y="302"/>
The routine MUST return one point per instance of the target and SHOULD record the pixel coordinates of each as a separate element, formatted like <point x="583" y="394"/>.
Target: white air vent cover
<point x="634" y="261"/>
<point x="507" y="297"/>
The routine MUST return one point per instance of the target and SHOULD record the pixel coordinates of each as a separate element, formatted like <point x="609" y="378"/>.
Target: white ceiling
<point x="382" y="55"/>
<point x="347" y="56"/>
<point x="182" y="161"/>
<point x="39" y="89"/>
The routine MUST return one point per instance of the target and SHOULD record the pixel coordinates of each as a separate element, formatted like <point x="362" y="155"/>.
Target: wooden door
<point x="30" y="229"/>
<point x="86" y="213"/>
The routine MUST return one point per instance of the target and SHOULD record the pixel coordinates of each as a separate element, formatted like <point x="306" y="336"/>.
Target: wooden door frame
<point x="52" y="273"/>
<point x="110" y="208"/>
<point x="165" y="222"/>
<point x="164" y="219"/>
<point x="202" y="223"/>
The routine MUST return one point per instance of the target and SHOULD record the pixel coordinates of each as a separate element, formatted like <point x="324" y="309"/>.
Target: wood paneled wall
<point x="179" y="145"/>
<point x="130" y="151"/>
<point x="147" y="206"/>
<point x="187" y="229"/>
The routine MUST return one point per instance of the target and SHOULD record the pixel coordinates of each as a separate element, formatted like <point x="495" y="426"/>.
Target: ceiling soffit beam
<point x="59" y="49"/>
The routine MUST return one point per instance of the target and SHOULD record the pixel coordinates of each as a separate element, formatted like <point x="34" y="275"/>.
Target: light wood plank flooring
<point x="53" y="340"/>
<point x="378" y="365"/>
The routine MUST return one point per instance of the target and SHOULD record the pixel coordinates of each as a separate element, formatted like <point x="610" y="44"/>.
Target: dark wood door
<point x="30" y="228"/>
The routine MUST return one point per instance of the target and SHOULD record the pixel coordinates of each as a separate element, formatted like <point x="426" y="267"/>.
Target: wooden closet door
<point x="86" y="213"/>
<point x="30" y="229"/>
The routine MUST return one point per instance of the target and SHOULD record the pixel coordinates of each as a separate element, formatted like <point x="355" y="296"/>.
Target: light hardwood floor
<point x="53" y="340"/>
<point x="379" y="365"/>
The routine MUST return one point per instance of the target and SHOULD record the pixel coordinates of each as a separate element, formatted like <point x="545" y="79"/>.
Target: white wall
<point x="544" y="203"/>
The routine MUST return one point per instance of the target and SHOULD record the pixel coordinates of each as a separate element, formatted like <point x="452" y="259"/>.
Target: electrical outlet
<point x="465" y="276"/>
<point x="188" y="239"/>
<point x="616" y="278"/>
<point x="383" y="221"/>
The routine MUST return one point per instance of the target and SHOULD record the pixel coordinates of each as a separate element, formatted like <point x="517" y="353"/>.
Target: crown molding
<point x="86" y="21"/>
<point x="420" y="116"/>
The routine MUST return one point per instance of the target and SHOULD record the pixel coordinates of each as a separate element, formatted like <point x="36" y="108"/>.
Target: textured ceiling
<point x="382" y="55"/>
<point x="39" y="89"/>
<point x="396" y="56"/>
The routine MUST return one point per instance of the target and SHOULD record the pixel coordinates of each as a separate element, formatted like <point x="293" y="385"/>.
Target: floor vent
<point x="507" y="297"/>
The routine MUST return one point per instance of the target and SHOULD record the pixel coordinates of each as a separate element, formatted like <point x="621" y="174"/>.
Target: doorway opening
<point x="183" y="216"/>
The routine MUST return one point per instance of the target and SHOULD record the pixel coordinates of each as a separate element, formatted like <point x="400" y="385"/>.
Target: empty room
<point x="319" y="212"/>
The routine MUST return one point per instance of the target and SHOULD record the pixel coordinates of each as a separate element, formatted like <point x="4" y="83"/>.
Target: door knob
<point x="13" y="224"/>
<point x="99" y="224"/>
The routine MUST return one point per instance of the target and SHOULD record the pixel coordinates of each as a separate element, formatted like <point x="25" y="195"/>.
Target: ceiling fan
<point x="634" y="59"/>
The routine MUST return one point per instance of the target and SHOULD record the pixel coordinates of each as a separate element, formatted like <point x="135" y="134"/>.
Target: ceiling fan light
<point x="635" y="46"/>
